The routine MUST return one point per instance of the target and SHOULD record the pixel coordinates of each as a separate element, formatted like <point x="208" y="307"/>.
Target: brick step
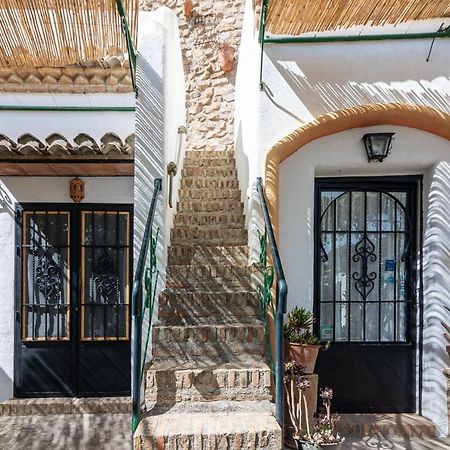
<point x="217" y="277"/>
<point x="210" y="219"/>
<point x="196" y="172"/>
<point x="209" y="154"/>
<point x="217" y="425"/>
<point x="210" y="206"/>
<point x="205" y="236"/>
<point x="197" y="161"/>
<point x="189" y="254"/>
<point x="209" y="194"/>
<point x="169" y="380"/>
<point x="411" y="425"/>
<point x="65" y="405"/>
<point x="183" y="306"/>
<point x="221" y="340"/>
<point x="209" y="183"/>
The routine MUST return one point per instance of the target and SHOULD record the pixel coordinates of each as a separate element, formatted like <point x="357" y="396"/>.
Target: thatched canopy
<point x="295" y="17"/>
<point x="55" y="33"/>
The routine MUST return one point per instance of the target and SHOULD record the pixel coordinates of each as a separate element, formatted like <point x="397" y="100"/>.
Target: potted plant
<point x="301" y="344"/>
<point x="323" y="435"/>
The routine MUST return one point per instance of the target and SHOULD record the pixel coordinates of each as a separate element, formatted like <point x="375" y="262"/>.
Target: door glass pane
<point x="45" y="275"/>
<point x="105" y="275"/>
<point x="364" y="249"/>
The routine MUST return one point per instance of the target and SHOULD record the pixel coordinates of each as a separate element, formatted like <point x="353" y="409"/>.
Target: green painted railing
<point x="145" y="279"/>
<point x="280" y="303"/>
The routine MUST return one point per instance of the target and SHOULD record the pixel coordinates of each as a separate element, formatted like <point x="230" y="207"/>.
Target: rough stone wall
<point x="209" y="91"/>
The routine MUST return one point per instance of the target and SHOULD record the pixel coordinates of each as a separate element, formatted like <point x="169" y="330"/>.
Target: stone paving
<point x="112" y="432"/>
<point x="65" y="432"/>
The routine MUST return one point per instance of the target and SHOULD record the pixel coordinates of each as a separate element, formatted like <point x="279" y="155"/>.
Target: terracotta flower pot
<point x="187" y="8"/>
<point x="226" y="57"/>
<point x="304" y="354"/>
<point x="307" y="446"/>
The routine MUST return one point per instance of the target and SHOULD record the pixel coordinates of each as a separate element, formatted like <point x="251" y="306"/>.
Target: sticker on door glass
<point x="326" y="332"/>
<point x="390" y="265"/>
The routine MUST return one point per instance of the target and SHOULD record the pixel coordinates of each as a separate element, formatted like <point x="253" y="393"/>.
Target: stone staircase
<point x="209" y="386"/>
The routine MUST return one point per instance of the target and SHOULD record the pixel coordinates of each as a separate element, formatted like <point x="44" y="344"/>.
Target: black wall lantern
<point x="377" y="145"/>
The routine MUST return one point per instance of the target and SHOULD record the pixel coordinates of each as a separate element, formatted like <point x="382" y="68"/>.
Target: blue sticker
<point x="390" y="265"/>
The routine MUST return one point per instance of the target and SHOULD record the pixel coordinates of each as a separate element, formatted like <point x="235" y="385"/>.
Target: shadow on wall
<point x="149" y="160"/>
<point x="436" y="273"/>
<point x="5" y="385"/>
<point x="6" y="201"/>
<point x="331" y="77"/>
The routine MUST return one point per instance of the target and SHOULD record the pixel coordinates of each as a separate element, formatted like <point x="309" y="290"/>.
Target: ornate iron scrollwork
<point x="48" y="278"/>
<point x="105" y="281"/>
<point x="365" y="253"/>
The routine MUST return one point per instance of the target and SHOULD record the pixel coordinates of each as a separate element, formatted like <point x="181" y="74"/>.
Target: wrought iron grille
<point x="364" y="269"/>
<point x="105" y="261"/>
<point x="45" y="275"/>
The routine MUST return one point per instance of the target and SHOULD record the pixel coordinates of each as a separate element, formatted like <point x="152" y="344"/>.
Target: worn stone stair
<point x="209" y="385"/>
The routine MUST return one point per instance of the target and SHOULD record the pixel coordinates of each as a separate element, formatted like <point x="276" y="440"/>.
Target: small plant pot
<point x="308" y="446"/>
<point x="306" y="355"/>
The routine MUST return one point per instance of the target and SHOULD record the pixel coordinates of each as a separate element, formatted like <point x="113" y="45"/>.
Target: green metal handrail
<point x="144" y="278"/>
<point x="281" y="297"/>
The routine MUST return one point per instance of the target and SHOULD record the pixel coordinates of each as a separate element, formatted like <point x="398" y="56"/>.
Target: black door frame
<point x="415" y="184"/>
<point x="75" y="286"/>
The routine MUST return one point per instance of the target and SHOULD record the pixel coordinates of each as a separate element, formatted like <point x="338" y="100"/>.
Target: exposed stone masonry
<point x="209" y="91"/>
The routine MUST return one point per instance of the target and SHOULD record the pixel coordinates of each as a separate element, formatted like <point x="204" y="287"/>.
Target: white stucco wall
<point x="304" y="81"/>
<point x="160" y="110"/>
<point x="40" y="190"/>
<point x="43" y="123"/>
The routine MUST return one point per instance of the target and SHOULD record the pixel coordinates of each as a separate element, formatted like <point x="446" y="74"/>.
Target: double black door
<point x="72" y="302"/>
<point x="366" y="292"/>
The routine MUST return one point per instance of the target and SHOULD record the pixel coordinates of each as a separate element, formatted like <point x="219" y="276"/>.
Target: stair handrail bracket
<point x="137" y="309"/>
<point x="281" y="300"/>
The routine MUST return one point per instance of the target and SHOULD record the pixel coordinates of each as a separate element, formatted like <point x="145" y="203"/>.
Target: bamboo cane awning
<point x="55" y="33"/>
<point x="295" y="17"/>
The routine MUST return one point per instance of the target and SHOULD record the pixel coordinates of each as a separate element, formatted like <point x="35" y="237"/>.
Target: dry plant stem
<point x="299" y="409"/>
<point x="307" y="418"/>
<point x="291" y="414"/>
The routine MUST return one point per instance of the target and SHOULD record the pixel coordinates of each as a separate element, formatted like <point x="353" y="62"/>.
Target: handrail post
<point x="136" y="312"/>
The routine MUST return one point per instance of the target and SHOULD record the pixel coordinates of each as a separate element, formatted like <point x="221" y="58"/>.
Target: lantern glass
<point x="377" y="145"/>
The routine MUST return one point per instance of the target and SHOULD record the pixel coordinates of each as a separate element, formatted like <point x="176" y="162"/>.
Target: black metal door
<point x="73" y="290"/>
<point x="365" y="292"/>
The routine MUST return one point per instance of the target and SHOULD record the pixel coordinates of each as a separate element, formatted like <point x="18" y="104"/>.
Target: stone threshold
<point x="65" y="405"/>
<point x="406" y="424"/>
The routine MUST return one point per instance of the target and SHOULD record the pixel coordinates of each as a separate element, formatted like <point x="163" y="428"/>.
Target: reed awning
<point x="296" y="17"/>
<point x="56" y="33"/>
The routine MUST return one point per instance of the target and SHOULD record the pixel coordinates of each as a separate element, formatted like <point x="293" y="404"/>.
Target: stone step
<point x="217" y="425"/>
<point x="180" y="306"/>
<point x="209" y="183"/>
<point x="189" y="254"/>
<point x="210" y="206"/>
<point x="209" y="194"/>
<point x="169" y="380"/>
<point x="220" y="340"/>
<point x="210" y="219"/>
<point x="205" y="236"/>
<point x="65" y="405"/>
<point x="196" y="172"/>
<point x="411" y="425"/>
